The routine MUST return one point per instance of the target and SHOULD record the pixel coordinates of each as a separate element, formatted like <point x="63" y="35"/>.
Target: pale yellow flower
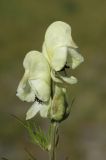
<point x="60" y="49"/>
<point x="35" y="85"/>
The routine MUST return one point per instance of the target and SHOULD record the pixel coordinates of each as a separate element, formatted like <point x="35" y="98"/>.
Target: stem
<point x="52" y="152"/>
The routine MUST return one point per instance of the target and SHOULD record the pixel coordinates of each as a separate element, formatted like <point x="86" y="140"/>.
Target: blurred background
<point x="22" y="28"/>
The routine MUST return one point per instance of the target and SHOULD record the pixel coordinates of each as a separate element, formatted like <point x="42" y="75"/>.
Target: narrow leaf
<point x="19" y="120"/>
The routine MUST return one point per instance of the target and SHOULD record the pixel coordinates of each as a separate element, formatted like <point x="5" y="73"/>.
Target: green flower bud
<point x="59" y="104"/>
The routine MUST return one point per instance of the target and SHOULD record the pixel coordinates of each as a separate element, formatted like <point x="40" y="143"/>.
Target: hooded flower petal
<point x="59" y="34"/>
<point x="36" y="80"/>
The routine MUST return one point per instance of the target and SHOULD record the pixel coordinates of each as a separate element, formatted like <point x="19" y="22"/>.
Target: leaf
<point x="38" y="136"/>
<point x="19" y="120"/>
<point x="36" y="133"/>
<point x="69" y="108"/>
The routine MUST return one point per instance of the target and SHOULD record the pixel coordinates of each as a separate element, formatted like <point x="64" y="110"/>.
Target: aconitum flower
<point x="35" y="85"/>
<point x="61" y="51"/>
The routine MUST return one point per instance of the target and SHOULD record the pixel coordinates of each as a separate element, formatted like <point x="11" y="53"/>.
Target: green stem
<point x="52" y="152"/>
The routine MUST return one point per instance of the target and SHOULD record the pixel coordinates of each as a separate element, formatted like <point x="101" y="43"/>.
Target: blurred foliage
<point x="22" y="27"/>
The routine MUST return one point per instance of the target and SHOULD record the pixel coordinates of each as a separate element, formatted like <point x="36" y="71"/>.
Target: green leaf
<point x="19" y="120"/>
<point x="37" y="135"/>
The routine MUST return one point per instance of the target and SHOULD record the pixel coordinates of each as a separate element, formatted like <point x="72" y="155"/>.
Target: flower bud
<point x="59" y="104"/>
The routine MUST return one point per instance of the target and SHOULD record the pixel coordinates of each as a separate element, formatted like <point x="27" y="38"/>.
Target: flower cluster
<point x="45" y="80"/>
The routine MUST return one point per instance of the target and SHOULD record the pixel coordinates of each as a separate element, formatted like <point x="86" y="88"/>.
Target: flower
<point x="35" y="85"/>
<point x="61" y="51"/>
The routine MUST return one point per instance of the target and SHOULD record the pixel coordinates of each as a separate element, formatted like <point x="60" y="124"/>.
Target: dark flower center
<point x="66" y="66"/>
<point x="38" y="100"/>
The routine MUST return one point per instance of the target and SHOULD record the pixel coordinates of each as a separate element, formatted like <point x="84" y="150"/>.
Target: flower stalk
<point x="52" y="152"/>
